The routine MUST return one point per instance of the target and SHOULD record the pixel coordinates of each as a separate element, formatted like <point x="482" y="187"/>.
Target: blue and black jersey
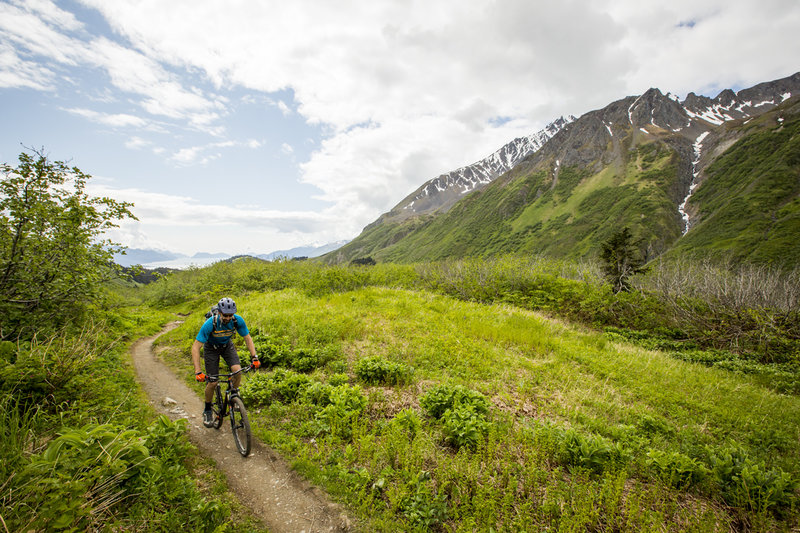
<point x="215" y="331"/>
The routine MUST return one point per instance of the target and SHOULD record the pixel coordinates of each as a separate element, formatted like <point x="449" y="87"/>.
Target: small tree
<point x="53" y="259"/>
<point x="621" y="259"/>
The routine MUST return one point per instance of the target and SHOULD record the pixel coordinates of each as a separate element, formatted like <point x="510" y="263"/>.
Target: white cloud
<point x="284" y="108"/>
<point x="193" y="155"/>
<point x="404" y="90"/>
<point x="200" y="226"/>
<point x="16" y="72"/>
<point x="113" y="119"/>
<point x="135" y="143"/>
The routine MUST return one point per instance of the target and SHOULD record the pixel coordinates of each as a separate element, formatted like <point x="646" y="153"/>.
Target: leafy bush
<point x="306" y="360"/>
<point x="86" y="475"/>
<point x="440" y="398"/>
<point x="379" y="371"/>
<point x="464" y="426"/>
<point x="594" y="453"/>
<point x="280" y="385"/>
<point x="652" y="425"/>
<point x="676" y="469"/>
<point x="338" y="379"/>
<point x="424" y="507"/>
<point x="409" y="421"/>
<point x="337" y="418"/>
<point x="270" y="352"/>
<point x="52" y="247"/>
<point x="318" y="393"/>
<point x="83" y="471"/>
<point x="748" y="484"/>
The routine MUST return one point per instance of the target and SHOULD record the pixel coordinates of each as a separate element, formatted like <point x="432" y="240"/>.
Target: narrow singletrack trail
<point x="263" y="481"/>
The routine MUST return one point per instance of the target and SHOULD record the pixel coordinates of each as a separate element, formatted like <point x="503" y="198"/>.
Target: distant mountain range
<point x="163" y="258"/>
<point x="709" y="175"/>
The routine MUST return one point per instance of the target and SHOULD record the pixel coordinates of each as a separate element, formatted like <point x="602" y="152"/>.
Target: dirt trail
<point x="262" y="481"/>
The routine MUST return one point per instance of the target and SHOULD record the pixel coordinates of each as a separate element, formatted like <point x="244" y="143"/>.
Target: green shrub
<point x="337" y="418"/>
<point x="676" y="469"/>
<point x="652" y="425"/>
<point x="309" y="359"/>
<point x="409" y="421"/>
<point x="8" y="352"/>
<point x="280" y="385"/>
<point x="379" y="371"/>
<point x="84" y="471"/>
<point x="424" y="507"/>
<point x="440" y="398"/>
<point x="338" y="379"/>
<point x="749" y="485"/>
<point x="318" y="393"/>
<point x="270" y="352"/>
<point x="594" y="453"/>
<point x="464" y="426"/>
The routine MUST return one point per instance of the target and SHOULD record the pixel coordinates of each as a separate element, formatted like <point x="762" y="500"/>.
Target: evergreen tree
<point x="621" y="259"/>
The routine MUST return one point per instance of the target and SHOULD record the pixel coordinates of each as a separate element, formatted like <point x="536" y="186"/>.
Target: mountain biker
<point x="215" y="336"/>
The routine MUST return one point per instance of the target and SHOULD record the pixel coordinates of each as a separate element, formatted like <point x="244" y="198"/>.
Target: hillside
<point x="426" y="409"/>
<point x="678" y="173"/>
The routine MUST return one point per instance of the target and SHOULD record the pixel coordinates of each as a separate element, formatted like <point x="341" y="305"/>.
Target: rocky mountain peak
<point x="443" y="191"/>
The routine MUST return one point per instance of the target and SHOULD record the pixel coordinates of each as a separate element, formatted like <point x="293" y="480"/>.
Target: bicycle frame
<point x="225" y="379"/>
<point x="229" y="403"/>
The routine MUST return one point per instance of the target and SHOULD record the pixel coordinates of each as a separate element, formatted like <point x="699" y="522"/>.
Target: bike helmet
<point x="227" y="306"/>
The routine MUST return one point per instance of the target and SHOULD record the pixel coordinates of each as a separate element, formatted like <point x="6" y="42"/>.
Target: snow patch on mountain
<point x="464" y="180"/>
<point x="697" y="147"/>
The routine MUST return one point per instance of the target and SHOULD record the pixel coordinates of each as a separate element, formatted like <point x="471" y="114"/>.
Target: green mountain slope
<point x="749" y="204"/>
<point x="586" y="183"/>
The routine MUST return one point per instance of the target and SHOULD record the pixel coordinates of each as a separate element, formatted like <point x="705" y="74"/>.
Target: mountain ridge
<point x="641" y="158"/>
<point x="443" y="191"/>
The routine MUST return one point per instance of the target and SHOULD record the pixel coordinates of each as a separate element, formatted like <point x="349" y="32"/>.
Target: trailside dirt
<point x="262" y="481"/>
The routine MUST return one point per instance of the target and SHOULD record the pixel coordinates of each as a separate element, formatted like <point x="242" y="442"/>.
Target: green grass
<point x="575" y="420"/>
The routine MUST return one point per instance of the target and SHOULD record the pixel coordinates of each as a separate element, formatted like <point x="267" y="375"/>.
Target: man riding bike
<point x="215" y="337"/>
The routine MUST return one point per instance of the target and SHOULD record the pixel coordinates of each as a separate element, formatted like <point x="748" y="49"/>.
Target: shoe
<point x="208" y="418"/>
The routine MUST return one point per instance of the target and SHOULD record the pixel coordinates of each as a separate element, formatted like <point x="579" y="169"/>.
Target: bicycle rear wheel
<point x="218" y="408"/>
<point x="240" y="426"/>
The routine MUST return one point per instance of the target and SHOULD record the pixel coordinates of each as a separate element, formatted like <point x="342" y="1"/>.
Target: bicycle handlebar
<point x="217" y="377"/>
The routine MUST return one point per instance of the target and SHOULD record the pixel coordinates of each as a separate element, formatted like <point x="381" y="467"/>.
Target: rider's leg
<point x="210" y="392"/>
<point x="231" y="357"/>
<point x="238" y="377"/>
<point x="211" y="355"/>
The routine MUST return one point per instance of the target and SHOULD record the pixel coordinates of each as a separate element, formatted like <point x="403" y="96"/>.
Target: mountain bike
<point x="229" y="403"/>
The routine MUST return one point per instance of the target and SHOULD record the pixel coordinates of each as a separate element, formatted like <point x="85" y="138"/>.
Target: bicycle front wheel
<point x="240" y="426"/>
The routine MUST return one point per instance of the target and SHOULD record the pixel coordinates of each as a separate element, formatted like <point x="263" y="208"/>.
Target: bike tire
<point x="240" y="426"/>
<point x="218" y="408"/>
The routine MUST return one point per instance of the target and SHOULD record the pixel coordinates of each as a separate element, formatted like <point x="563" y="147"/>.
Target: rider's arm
<point x="196" y="355"/>
<point x="251" y="347"/>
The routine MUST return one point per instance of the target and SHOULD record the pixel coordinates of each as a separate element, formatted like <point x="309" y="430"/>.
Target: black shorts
<point x="212" y="353"/>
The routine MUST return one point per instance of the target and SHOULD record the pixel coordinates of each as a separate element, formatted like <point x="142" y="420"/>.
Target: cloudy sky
<point x="252" y="126"/>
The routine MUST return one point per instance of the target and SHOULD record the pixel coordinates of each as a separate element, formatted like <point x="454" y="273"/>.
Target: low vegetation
<point x="452" y="396"/>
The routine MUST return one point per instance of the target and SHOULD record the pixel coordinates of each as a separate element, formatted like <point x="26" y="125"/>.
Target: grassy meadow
<point x="425" y="405"/>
